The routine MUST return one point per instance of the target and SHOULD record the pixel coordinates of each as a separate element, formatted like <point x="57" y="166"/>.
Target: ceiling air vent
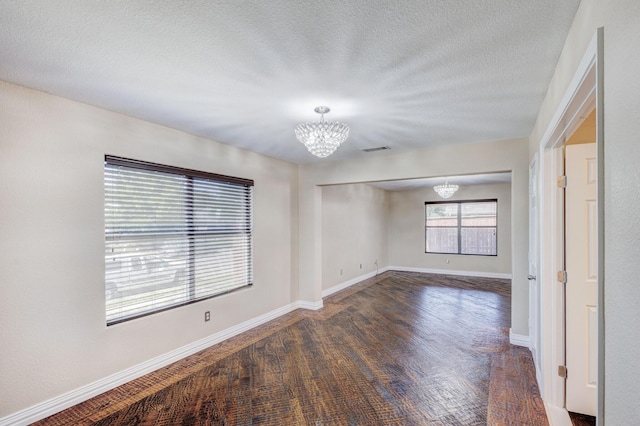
<point x="380" y="148"/>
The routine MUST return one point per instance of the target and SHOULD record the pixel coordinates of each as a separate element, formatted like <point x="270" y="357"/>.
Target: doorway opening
<point x="580" y="110"/>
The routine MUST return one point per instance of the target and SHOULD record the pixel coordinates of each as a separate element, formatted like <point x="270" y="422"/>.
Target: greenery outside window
<point x="462" y="227"/>
<point x="172" y="237"/>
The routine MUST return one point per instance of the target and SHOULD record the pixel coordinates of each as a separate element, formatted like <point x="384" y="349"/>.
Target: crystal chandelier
<point x="446" y="190"/>
<point x="322" y="138"/>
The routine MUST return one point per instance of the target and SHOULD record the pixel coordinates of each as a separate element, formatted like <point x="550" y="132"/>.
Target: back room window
<point x="173" y="237"/>
<point x="462" y="227"/>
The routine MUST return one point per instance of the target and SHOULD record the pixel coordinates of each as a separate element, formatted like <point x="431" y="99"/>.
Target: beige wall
<point x="622" y="204"/>
<point x="407" y="232"/>
<point x="499" y="156"/>
<point x="583" y="29"/>
<point x="621" y="22"/>
<point x="354" y="232"/>
<point x="53" y="337"/>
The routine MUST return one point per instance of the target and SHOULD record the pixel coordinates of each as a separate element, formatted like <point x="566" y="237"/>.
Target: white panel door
<point x="534" y="294"/>
<point x="582" y="274"/>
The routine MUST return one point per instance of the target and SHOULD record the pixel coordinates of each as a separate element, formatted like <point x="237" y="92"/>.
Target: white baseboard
<point x="557" y="416"/>
<point x="451" y="272"/>
<point x="536" y="364"/>
<point x="83" y="393"/>
<point x="314" y="306"/>
<point x="518" y="339"/>
<point x="356" y="280"/>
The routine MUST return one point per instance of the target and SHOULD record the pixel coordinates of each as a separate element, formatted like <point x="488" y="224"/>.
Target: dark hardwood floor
<point x="397" y="349"/>
<point x="582" y="419"/>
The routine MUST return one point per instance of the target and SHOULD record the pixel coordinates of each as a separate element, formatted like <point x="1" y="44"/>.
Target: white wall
<point x="354" y="232"/>
<point x="53" y="337"/>
<point x="585" y="23"/>
<point x="500" y="156"/>
<point x="622" y="204"/>
<point x="621" y="22"/>
<point x="407" y="231"/>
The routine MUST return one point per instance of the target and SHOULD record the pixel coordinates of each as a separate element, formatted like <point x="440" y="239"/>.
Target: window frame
<point x="459" y="226"/>
<point x="190" y="176"/>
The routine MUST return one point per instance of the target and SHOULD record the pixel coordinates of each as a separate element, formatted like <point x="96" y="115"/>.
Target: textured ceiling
<point x="407" y="74"/>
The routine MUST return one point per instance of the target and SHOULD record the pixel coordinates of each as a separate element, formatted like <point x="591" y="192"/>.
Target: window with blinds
<point x="462" y="227"/>
<point x="172" y="237"/>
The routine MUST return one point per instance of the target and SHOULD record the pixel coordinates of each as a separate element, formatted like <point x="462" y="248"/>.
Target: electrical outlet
<point x="447" y="261"/>
<point x="340" y="271"/>
<point x="207" y="316"/>
<point x="361" y="266"/>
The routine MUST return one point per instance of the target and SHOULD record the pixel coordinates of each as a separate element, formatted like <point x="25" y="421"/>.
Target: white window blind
<point x="462" y="227"/>
<point x="172" y="237"/>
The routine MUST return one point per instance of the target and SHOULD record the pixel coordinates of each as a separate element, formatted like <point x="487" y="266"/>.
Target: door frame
<point x="583" y="94"/>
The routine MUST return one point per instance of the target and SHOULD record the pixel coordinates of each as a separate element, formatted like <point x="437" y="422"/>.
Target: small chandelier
<point x="322" y="138"/>
<point x="446" y="190"/>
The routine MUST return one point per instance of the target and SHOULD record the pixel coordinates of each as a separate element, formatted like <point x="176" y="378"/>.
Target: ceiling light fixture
<point x="446" y="190"/>
<point x="322" y="138"/>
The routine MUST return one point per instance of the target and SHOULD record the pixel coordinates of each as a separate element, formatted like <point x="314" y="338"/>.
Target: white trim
<point x="356" y="280"/>
<point x="450" y="272"/>
<point x="313" y="306"/>
<point x="519" y="339"/>
<point x="539" y="378"/>
<point x="578" y="98"/>
<point x="559" y="125"/>
<point x="557" y="416"/>
<point x="83" y="393"/>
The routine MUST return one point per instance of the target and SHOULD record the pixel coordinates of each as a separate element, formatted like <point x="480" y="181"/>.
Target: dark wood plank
<point x="578" y="419"/>
<point x="398" y="349"/>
